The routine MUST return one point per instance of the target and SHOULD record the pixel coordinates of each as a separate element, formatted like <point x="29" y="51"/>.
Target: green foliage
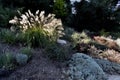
<point x="80" y="38"/>
<point x="38" y="29"/>
<point x="27" y="51"/>
<point x="115" y="35"/>
<point x="7" y="36"/>
<point x="107" y="3"/>
<point x="60" y="9"/>
<point x="7" y="61"/>
<point x="68" y="32"/>
<point x="10" y="37"/>
<point x="76" y="37"/>
<point x="104" y="33"/>
<point x="19" y="38"/>
<point x="58" y="52"/>
<point x="5" y="15"/>
<point x="36" y="37"/>
<point x="28" y="4"/>
<point x="96" y="15"/>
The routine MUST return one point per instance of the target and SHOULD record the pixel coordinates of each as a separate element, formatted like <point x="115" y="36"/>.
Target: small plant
<point x="80" y="38"/>
<point x="68" y="32"/>
<point x="7" y="61"/>
<point x="27" y="51"/>
<point x="59" y="52"/>
<point x="7" y="36"/>
<point x="38" y="28"/>
<point x="104" y="33"/>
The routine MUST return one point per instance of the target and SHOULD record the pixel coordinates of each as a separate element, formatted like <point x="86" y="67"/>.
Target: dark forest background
<point x="95" y="15"/>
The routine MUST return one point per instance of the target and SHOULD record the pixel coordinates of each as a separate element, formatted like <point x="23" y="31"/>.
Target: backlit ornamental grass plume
<point x="48" y="25"/>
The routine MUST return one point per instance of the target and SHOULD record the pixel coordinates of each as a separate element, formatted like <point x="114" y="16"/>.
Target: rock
<point x="21" y="59"/>
<point x="62" y="42"/>
<point x="114" y="77"/>
<point x="83" y="67"/>
<point x="108" y="67"/>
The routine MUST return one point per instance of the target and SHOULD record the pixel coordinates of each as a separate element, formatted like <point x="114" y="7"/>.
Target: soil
<point x="38" y="68"/>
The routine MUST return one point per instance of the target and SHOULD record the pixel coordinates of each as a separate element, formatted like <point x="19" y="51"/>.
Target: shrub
<point x="68" y="32"/>
<point x="5" y="15"/>
<point x="7" y="36"/>
<point x="80" y="38"/>
<point x="7" y="61"/>
<point x="60" y="9"/>
<point x="28" y="4"/>
<point x="27" y="51"/>
<point x="19" y="38"/>
<point x="104" y="33"/>
<point x="38" y="29"/>
<point x="59" y="52"/>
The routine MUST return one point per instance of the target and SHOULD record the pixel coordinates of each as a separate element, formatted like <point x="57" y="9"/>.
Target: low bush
<point x="7" y="61"/>
<point x="7" y="36"/>
<point x="59" y="52"/>
<point x="82" y="37"/>
<point x="27" y="51"/>
<point x="104" y="33"/>
<point x="68" y="32"/>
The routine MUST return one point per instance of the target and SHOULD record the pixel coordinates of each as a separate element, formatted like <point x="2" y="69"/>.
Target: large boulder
<point x="83" y="67"/>
<point x="108" y="67"/>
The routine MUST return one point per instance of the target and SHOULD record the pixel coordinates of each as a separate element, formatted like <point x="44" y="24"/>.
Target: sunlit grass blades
<point x="37" y="27"/>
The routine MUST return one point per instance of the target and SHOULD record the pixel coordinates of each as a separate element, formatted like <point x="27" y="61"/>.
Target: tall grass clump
<point x="38" y="29"/>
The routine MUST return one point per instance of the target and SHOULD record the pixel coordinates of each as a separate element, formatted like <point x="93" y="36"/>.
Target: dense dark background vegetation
<point x="95" y="15"/>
